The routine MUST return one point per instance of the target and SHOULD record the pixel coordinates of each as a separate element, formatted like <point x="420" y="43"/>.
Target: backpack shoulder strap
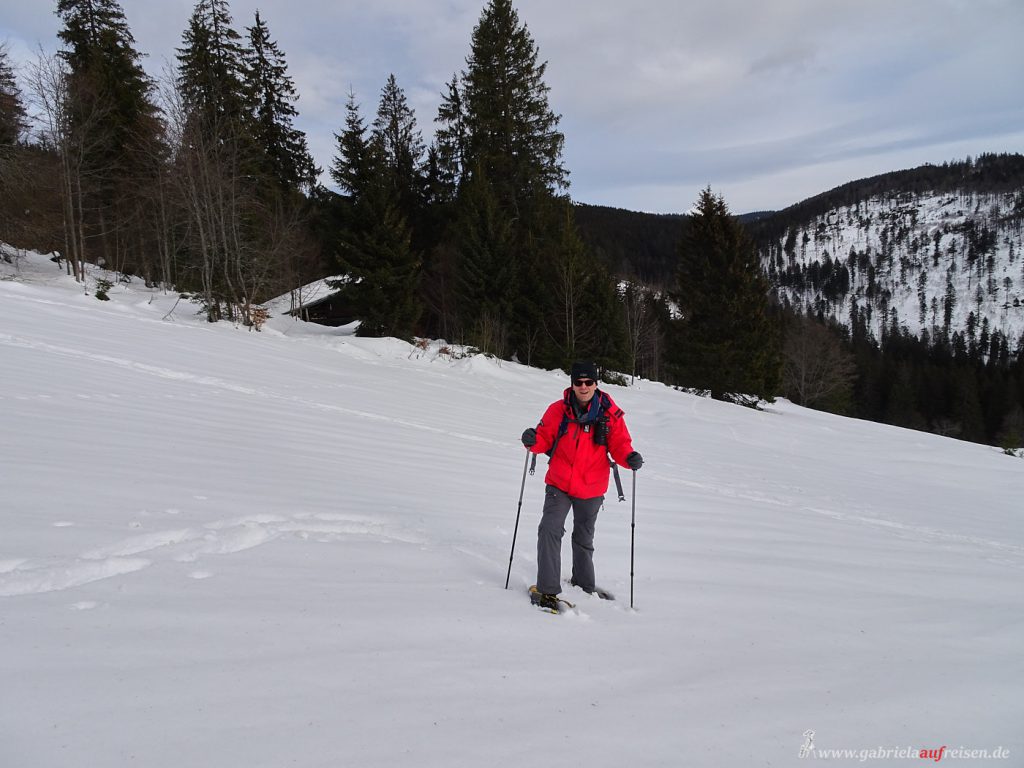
<point x="606" y="407"/>
<point x="563" y="427"/>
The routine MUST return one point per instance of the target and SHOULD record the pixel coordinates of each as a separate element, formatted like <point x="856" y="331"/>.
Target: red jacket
<point x="579" y="466"/>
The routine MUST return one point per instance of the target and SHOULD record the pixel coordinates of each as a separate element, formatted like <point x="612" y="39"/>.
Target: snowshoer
<point x="578" y="432"/>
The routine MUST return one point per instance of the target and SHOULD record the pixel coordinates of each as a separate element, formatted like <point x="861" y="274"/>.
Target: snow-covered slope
<point x="918" y="260"/>
<point x="226" y="548"/>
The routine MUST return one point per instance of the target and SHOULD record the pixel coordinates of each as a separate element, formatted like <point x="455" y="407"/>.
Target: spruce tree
<point x="113" y="126"/>
<point x="569" y="276"/>
<point x="13" y="118"/>
<point x="486" y="268"/>
<point x="211" y="68"/>
<point x="394" y="129"/>
<point x="571" y="293"/>
<point x="442" y="173"/>
<point x="271" y="94"/>
<point x="497" y="130"/>
<point x="508" y="128"/>
<point x="725" y="342"/>
<point x="13" y="170"/>
<point x="350" y="169"/>
<point x="382" y="268"/>
<point x="447" y="153"/>
<point x="374" y="248"/>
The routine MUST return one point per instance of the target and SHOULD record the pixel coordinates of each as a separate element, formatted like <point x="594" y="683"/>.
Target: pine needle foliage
<point x="725" y="341"/>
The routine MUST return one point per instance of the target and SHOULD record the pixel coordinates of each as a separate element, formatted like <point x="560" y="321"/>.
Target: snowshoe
<point x="549" y="603"/>
<point x="604" y="594"/>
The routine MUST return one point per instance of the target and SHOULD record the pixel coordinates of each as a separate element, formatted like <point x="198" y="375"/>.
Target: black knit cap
<point x="583" y="370"/>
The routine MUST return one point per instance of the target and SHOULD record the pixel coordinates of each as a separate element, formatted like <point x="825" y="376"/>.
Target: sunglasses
<point x="584" y="383"/>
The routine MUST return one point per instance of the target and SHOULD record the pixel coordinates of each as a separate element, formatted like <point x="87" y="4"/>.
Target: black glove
<point x="635" y="460"/>
<point x="530" y="437"/>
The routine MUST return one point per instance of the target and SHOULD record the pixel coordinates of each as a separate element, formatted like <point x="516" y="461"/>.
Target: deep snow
<point x="227" y="548"/>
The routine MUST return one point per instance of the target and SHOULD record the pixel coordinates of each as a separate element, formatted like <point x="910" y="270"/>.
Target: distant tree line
<point x="642" y="246"/>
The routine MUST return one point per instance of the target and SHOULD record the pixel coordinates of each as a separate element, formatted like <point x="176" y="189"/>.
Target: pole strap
<point x="618" y="480"/>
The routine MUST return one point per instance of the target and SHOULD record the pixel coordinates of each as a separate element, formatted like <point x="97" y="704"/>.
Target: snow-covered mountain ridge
<point x="935" y="263"/>
<point x="235" y="549"/>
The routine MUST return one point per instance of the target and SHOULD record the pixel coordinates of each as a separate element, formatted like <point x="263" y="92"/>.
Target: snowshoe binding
<point x="548" y="603"/>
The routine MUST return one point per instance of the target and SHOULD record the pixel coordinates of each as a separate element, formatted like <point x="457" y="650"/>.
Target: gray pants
<point x="549" y="540"/>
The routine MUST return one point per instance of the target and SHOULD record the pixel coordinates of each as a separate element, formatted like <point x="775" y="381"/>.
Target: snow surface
<point x="228" y="548"/>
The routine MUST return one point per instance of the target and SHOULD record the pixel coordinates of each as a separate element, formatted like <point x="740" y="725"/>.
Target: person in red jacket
<point x="578" y="432"/>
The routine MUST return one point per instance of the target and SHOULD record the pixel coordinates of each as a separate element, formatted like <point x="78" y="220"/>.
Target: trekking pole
<point x="632" y="542"/>
<point x="518" y="510"/>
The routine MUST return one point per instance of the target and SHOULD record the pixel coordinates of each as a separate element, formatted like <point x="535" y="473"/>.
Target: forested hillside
<point x="644" y="246"/>
<point x="933" y="262"/>
<point x="637" y="245"/>
<point x="919" y="274"/>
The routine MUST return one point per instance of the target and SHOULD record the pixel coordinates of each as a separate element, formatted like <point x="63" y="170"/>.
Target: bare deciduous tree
<point x="241" y="244"/>
<point x="642" y="328"/>
<point x="73" y="141"/>
<point x="817" y="371"/>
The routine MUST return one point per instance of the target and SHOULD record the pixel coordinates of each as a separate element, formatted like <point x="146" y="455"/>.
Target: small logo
<point x="808" y="746"/>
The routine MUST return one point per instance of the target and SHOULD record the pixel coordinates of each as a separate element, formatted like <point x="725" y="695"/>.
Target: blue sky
<point x="767" y="102"/>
